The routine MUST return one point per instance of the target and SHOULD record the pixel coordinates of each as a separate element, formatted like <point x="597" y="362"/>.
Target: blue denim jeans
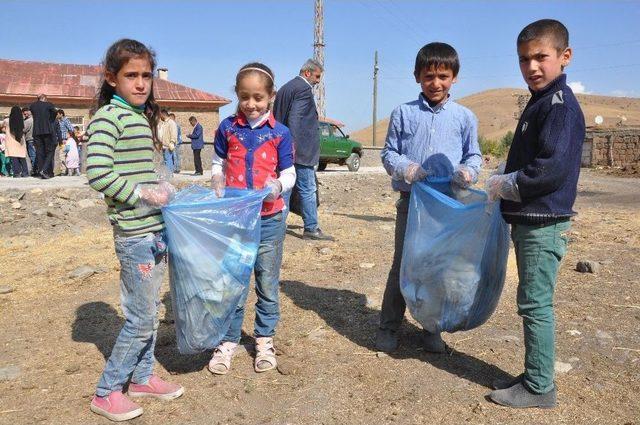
<point x="143" y="260"/>
<point x="267" y="274"/>
<point x="31" y="151"/>
<point x="168" y="159"/>
<point x="176" y="159"/>
<point x="306" y="186"/>
<point x="80" y="158"/>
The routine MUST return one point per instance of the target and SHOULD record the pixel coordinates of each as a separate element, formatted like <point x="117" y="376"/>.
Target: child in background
<point x="71" y="159"/>
<point x="538" y="190"/>
<point x="81" y="139"/>
<point x="253" y="137"/>
<point x="431" y="135"/>
<point x="120" y="154"/>
<point x="5" y="162"/>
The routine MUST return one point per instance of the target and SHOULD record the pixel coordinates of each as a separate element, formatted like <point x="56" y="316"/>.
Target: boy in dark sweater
<point x="538" y="190"/>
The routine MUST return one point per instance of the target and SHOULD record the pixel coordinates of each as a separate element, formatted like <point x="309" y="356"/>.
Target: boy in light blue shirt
<point x="430" y="136"/>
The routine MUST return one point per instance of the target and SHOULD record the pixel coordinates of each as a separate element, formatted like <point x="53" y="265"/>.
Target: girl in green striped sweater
<point x="120" y="164"/>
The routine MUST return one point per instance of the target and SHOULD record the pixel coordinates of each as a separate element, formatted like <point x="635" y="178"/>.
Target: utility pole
<point x="318" y="54"/>
<point x="375" y="97"/>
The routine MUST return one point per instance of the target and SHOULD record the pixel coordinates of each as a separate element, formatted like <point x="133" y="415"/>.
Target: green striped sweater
<point x="119" y="156"/>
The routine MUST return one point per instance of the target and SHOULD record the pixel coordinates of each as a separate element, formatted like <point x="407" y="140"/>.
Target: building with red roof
<point x="73" y="88"/>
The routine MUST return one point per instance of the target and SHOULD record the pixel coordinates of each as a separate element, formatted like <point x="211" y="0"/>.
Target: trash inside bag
<point x="454" y="258"/>
<point x="213" y="243"/>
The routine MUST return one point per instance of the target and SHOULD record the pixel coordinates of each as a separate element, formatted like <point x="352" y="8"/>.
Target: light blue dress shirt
<point x="439" y="139"/>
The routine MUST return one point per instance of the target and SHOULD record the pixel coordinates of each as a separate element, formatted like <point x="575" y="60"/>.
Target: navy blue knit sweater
<point x="546" y="151"/>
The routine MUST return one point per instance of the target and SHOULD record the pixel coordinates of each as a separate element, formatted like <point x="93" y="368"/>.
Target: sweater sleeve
<point x="104" y="132"/>
<point x="548" y="170"/>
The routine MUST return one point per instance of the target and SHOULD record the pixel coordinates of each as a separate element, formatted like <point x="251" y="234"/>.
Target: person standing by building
<point x="44" y="137"/>
<point x="168" y="135"/>
<point x="295" y="107"/>
<point x="15" y="146"/>
<point x="197" y="144"/>
<point x="176" y="151"/>
<point x="28" y="137"/>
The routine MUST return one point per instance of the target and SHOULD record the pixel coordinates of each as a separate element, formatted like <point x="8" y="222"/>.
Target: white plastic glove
<point x="503" y="186"/>
<point x="462" y="176"/>
<point x="414" y="173"/>
<point x="217" y="184"/>
<point x="276" y="189"/>
<point x="152" y="196"/>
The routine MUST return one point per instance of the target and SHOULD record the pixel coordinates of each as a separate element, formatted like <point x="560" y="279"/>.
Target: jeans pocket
<point x="131" y="243"/>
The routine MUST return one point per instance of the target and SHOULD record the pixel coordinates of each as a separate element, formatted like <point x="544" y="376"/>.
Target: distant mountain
<point x="497" y="108"/>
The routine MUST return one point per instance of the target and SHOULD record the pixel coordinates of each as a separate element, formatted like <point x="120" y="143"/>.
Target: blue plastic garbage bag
<point x="213" y="243"/>
<point x="454" y="257"/>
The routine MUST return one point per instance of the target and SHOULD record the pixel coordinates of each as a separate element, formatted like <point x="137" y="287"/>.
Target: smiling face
<point x="436" y="83"/>
<point x="541" y="63"/>
<point x="133" y="82"/>
<point x="253" y="96"/>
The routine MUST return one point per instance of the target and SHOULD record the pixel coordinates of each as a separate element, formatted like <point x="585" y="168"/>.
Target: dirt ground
<point x="57" y="331"/>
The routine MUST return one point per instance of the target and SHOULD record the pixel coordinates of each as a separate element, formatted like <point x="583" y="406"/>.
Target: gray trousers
<point x="393" y="305"/>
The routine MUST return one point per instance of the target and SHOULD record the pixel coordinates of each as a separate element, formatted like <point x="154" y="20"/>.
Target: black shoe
<point x="44" y="176"/>
<point x="386" y="340"/>
<point x="197" y="174"/>
<point x="317" y="235"/>
<point x="519" y="396"/>
<point x="433" y="343"/>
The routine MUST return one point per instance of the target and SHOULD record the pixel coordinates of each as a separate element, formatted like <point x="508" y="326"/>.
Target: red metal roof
<point x="59" y="80"/>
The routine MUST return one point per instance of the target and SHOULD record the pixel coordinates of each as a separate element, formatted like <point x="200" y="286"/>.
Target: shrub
<point x="497" y="148"/>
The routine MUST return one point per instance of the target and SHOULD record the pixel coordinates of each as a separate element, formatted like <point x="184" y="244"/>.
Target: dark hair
<point x="118" y="54"/>
<point x="164" y="111"/>
<point x="60" y="111"/>
<point x="550" y="28"/>
<point x="434" y="55"/>
<point x="267" y="75"/>
<point x="16" y="123"/>
<point x="193" y="118"/>
<point x="76" y="127"/>
<point x="25" y="109"/>
<point x="171" y="114"/>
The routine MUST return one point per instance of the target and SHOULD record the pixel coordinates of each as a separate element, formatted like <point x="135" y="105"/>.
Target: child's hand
<point x="156" y="195"/>
<point x="414" y="173"/>
<point x="217" y="184"/>
<point x="462" y="177"/>
<point x="276" y="189"/>
<point x="503" y="186"/>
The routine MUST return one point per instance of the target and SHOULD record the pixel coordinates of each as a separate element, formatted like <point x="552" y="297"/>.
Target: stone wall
<point x="611" y="147"/>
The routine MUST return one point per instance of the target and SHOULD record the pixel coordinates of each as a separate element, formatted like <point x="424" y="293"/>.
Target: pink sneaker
<point x="156" y="387"/>
<point x="116" y="407"/>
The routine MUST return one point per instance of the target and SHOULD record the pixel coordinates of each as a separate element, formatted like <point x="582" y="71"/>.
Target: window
<point x="326" y="130"/>
<point x="77" y="121"/>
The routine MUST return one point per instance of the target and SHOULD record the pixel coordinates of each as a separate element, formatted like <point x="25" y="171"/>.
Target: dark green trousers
<point x="539" y="250"/>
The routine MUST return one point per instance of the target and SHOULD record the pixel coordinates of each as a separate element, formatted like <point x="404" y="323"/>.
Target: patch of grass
<point x="497" y="148"/>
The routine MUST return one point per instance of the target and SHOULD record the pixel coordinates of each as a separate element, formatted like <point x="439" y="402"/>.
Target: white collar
<point x="305" y="80"/>
<point x="258" y="121"/>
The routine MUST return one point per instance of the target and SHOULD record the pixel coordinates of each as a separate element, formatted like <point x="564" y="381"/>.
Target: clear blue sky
<point x="204" y="43"/>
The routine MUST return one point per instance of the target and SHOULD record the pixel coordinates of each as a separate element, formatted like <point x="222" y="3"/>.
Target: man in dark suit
<point x="295" y="107"/>
<point x="44" y="136"/>
<point x="197" y="144"/>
